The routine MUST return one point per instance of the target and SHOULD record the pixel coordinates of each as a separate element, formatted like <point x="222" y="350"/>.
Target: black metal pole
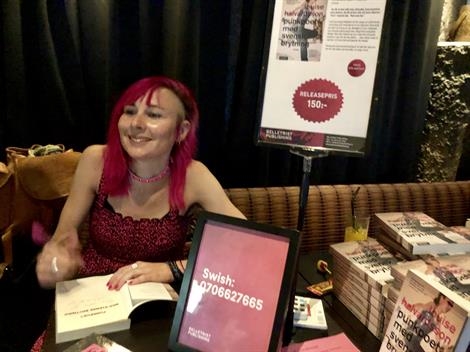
<point x="303" y="196"/>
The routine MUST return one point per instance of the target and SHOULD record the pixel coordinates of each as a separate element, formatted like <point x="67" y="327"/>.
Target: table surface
<point x="150" y="327"/>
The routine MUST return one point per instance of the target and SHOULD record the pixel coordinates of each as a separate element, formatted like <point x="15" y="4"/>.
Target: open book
<point x="85" y="306"/>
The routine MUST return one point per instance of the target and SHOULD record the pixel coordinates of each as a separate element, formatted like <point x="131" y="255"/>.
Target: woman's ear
<point x="183" y="131"/>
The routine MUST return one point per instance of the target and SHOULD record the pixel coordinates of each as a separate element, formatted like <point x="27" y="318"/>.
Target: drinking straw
<point x="353" y="206"/>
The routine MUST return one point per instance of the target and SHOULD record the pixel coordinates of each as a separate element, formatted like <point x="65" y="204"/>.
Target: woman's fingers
<point x="125" y="274"/>
<point x="55" y="263"/>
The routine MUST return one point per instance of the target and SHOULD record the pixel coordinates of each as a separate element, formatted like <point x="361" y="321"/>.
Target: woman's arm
<point x="203" y="188"/>
<point x="60" y="258"/>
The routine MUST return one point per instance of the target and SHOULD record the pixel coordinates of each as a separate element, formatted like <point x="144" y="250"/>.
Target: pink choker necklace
<point x="155" y="178"/>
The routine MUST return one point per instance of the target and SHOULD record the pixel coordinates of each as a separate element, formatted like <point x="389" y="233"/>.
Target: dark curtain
<point x="64" y="62"/>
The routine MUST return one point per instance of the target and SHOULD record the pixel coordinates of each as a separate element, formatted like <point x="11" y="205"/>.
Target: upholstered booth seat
<point x="329" y="205"/>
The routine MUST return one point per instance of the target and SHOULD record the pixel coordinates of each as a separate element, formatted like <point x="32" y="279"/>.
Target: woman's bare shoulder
<point x="197" y="167"/>
<point x="94" y="150"/>
<point x="93" y="154"/>
<point x="90" y="166"/>
<point x="199" y="179"/>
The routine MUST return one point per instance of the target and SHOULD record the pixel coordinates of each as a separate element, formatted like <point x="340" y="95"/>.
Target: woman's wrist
<point x="175" y="271"/>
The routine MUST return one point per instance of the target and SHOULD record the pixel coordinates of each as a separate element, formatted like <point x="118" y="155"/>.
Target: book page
<point x="88" y="302"/>
<point x="149" y="291"/>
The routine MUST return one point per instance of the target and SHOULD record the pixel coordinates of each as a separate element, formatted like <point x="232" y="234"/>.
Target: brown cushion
<point x="47" y="177"/>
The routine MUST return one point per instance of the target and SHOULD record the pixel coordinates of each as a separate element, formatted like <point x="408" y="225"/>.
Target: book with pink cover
<point x="96" y="343"/>
<point x="338" y="342"/>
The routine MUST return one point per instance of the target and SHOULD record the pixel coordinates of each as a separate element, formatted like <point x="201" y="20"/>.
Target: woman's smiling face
<point x="149" y="128"/>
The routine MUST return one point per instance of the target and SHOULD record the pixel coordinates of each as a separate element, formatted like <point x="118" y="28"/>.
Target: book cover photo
<point x="368" y="259"/>
<point x="419" y="233"/>
<point x="426" y="317"/>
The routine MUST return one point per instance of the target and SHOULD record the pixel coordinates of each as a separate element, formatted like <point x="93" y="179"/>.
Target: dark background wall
<point x="63" y="63"/>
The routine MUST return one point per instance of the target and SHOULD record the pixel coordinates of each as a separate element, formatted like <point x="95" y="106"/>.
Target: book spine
<point x="378" y="278"/>
<point x="374" y="313"/>
<point x="363" y="289"/>
<point x="393" y="294"/>
<point x="393" y="245"/>
<point x="373" y="328"/>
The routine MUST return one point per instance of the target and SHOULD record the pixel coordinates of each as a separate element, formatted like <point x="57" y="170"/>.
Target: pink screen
<point x="233" y="296"/>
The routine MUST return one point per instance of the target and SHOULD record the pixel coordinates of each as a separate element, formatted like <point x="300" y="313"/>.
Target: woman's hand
<point x="139" y="272"/>
<point x="59" y="260"/>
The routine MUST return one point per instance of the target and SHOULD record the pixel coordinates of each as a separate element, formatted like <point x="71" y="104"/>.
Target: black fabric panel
<point x="64" y="63"/>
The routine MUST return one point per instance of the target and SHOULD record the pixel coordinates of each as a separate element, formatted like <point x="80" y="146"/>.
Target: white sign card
<point x="320" y="74"/>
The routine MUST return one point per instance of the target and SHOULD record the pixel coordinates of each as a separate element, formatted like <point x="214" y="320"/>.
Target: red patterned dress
<point x="116" y="240"/>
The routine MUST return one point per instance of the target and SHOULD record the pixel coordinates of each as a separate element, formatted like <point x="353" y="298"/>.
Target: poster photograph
<point x="320" y="73"/>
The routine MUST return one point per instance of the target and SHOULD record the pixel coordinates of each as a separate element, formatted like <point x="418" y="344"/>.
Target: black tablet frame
<point x="288" y="276"/>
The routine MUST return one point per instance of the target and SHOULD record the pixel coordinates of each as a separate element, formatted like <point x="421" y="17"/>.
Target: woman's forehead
<point x="164" y="98"/>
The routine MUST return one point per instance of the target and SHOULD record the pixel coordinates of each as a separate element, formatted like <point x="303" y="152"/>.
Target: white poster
<point x="320" y="73"/>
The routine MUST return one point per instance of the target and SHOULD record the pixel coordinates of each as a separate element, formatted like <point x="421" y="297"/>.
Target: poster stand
<point x="330" y="50"/>
<point x="307" y="156"/>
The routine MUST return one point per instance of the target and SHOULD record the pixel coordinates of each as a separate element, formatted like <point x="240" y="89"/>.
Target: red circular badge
<point x="356" y="68"/>
<point x="317" y="100"/>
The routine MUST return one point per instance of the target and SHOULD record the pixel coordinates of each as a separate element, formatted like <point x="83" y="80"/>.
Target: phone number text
<point x="230" y="295"/>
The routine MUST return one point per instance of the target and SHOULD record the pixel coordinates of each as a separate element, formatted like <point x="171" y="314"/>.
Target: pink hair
<point x="116" y="160"/>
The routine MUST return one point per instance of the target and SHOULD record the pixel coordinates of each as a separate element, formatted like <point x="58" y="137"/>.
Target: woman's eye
<point x="130" y="110"/>
<point x="153" y="114"/>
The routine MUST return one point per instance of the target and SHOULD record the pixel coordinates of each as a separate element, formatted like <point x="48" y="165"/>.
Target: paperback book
<point x="85" y="306"/>
<point x="392" y="294"/>
<point x="368" y="259"/>
<point x="419" y="233"/>
<point x="427" y="317"/>
<point x="394" y="246"/>
<point x="343" y="284"/>
<point x="339" y="342"/>
<point x="372" y="314"/>
<point x="96" y="343"/>
<point x="451" y="271"/>
<point x="374" y="326"/>
<point x="342" y="274"/>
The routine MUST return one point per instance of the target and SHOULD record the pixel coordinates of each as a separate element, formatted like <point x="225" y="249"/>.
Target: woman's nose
<point x="138" y="121"/>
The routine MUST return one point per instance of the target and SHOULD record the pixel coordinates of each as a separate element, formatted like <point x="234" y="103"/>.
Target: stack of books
<point x="428" y="316"/>
<point x="451" y="271"/>
<point x="416" y="233"/>
<point x="361" y="278"/>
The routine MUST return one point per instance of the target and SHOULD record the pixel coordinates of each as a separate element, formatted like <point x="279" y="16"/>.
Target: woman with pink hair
<point x="136" y="189"/>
